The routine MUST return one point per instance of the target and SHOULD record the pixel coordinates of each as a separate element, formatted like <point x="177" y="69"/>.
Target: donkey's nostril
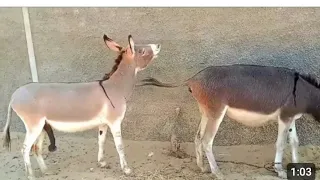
<point x="158" y="46"/>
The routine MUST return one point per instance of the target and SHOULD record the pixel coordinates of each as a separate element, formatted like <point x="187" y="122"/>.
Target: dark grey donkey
<point x="252" y="95"/>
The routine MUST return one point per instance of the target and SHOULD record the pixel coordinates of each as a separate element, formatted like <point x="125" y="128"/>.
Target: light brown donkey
<point x="74" y="107"/>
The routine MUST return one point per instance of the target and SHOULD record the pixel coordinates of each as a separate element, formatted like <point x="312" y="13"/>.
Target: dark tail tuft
<point x="6" y="130"/>
<point x="154" y="82"/>
<point x="7" y="140"/>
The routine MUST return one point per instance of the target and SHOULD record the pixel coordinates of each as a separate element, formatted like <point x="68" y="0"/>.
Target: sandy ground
<point x="76" y="159"/>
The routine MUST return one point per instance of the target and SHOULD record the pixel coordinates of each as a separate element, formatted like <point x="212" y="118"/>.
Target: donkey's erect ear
<point x="111" y="44"/>
<point x="131" y="44"/>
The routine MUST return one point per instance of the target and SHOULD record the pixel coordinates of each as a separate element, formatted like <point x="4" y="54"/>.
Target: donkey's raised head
<point x="143" y="53"/>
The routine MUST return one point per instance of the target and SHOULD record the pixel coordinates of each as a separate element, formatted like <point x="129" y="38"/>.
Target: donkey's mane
<point x="311" y="79"/>
<point x="117" y="61"/>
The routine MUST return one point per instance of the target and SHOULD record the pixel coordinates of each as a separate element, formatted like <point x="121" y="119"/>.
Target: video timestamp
<point x="301" y="171"/>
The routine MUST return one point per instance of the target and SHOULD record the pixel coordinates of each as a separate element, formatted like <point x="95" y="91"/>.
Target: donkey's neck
<point x="313" y="106"/>
<point x="123" y="79"/>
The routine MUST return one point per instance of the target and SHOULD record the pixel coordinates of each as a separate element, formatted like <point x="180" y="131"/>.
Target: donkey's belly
<point x="251" y="118"/>
<point x="75" y="126"/>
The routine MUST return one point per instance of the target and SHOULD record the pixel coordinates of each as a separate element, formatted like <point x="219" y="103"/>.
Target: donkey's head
<point x="143" y="53"/>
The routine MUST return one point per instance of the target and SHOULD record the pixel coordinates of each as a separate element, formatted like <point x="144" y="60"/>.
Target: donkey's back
<point x="47" y="98"/>
<point x="256" y="88"/>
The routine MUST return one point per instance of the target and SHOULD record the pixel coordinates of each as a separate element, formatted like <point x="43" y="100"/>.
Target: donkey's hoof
<point x="103" y="164"/>
<point x="49" y="173"/>
<point x="31" y="177"/>
<point x="43" y="169"/>
<point x="205" y="169"/>
<point x="282" y="174"/>
<point x="218" y="175"/>
<point x="127" y="170"/>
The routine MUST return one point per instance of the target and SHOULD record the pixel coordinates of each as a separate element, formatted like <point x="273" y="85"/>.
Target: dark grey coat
<point x="262" y="89"/>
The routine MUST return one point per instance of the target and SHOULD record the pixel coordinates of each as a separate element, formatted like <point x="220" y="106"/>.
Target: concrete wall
<point x="14" y="63"/>
<point x="69" y="47"/>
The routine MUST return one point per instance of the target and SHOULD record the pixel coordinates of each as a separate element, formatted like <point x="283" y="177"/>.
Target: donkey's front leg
<point x="280" y="145"/>
<point x="116" y="132"/>
<point x="294" y="141"/>
<point x="102" y="138"/>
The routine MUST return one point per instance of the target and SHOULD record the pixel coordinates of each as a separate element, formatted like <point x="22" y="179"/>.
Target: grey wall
<point x="69" y="47"/>
<point x="14" y="63"/>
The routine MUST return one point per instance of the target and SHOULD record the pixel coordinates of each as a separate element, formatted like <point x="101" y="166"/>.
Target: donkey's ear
<point x="111" y="44"/>
<point x="131" y="44"/>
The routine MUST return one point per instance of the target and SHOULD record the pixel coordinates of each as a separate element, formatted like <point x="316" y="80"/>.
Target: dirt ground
<point x="76" y="159"/>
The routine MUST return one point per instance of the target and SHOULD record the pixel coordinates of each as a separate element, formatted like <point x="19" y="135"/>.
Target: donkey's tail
<point x="6" y="131"/>
<point x="150" y="81"/>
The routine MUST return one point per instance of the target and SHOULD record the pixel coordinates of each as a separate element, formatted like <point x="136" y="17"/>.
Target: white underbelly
<point x="78" y="126"/>
<point x="250" y="118"/>
<point x="74" y="126"/>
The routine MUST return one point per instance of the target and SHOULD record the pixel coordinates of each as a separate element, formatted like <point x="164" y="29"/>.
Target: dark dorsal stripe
<point x="108" y="75"/>
<point x="100" y="83"/>
<point x="296" y="78"/>
<point x="114" y="68"/>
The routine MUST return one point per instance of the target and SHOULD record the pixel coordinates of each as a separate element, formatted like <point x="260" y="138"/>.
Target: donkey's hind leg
<point x="52" y="147"/>
<point x="197" y="142"/>
<point x="215" y="116"/>
<point x="32" y="133"/>
<point x="38" y="153"/>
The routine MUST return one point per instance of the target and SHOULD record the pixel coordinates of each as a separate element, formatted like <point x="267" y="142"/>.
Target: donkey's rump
<point x="253" y="94"/>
